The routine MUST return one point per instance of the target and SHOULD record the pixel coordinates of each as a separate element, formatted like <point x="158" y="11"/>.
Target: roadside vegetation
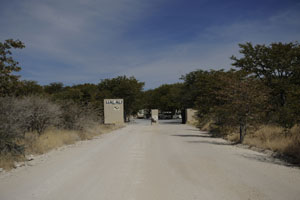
<point x="255" y="103"/>
<point x="258" y="103"/>
<point x="35" y="119"/>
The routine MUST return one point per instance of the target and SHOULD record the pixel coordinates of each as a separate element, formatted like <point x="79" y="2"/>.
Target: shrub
<point x="39" y="113"/>
<point x="20" y="115"/>
<point x="12" y="125"/>
<point x="77" y="117"/>
<point x="293" y="148"/>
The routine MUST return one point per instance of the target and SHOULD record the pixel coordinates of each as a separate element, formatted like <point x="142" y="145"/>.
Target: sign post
<point x="113" y="111"/>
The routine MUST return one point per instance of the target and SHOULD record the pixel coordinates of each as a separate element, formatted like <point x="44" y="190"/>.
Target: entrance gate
<point x="113" y="111"/>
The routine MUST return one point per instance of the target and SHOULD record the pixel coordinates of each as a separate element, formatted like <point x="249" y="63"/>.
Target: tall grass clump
<point x="267" y="136"/>
<point x="293" y="147"/>
<point x="278" y="139"/>
<point x="50" y="139"/>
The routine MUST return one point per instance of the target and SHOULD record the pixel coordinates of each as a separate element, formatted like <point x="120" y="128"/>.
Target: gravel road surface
<point x="168" y="161"/>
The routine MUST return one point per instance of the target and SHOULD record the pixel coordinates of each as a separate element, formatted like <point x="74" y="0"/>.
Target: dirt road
<point x="141" y="162"/>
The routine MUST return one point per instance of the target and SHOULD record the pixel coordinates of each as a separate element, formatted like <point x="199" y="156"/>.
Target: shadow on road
<point x="170" y="121"/>
<point x="190" y="129"/>
<point x="268" y="159"/>
<point x="203" y="136"/>
<point x="211" y="142"/>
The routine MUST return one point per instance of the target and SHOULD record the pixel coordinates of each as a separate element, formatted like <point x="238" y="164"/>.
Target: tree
<point x="28" y="88"/>
<point x="242" y="100"/>
<point x="190" y="89"/>
<point x="271" y="63"/>
<point x="7" y="66"/>
<point x="54" y="87"/>
<point x="129" y="89"/>
<point x="166" y="97"/>
<point x="278" y="66"/>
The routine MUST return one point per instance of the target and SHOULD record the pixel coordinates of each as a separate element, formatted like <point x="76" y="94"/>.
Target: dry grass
<point x="268" y="137"/>
<point x="277" y="139"/>
<point x="53" y="138"/>
<point x="7" y="161"/>
<point x="233" y="137"/>
<point x="206" y="126"/>
<point x="293" y="148"/>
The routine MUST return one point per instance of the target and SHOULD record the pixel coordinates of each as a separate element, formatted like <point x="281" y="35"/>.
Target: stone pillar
<point x="113" y="111"/>
<point x="191" y="116"/>
<point x="154" y="116"/>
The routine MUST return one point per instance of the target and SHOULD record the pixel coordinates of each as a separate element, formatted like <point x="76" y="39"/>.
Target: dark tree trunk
<point x="183" y="116"/>
<point x="242" y="132"/>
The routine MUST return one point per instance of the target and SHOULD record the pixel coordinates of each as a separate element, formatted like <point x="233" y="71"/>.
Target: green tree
<point x="278" y="66"/>
<point x="199" y="91"/>
<point x="129" y="89"/>
<point x="54" y="87"/>
<point x="89" y="92"/>
<point x="69" y="93"/>
<point x="8" y="66"/>
<point x="28" y="88"/>
<point x="166" y="97"/>
<point x="242" y="100"/>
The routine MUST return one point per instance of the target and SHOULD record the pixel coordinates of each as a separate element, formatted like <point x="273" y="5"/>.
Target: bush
<point x="12" y="125"/>
<point x="39" y="113"/>
<point x="18" y="116"/>
<point x="293" y="148"/>
<point x="77" y="117"/>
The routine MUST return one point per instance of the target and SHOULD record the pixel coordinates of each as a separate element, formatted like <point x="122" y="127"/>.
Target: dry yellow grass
<point x="293" y="148"/>
<point x="7" y="161"/>
<point x="267" y="137"/>
<point x="54" y="138"/>
<point x="233" y="137"/>
<point x="207" y="125"/>
<point x="51" y="139"/>
<point x="277" y="139"/>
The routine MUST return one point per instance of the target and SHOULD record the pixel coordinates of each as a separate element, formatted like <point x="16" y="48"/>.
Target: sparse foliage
<point x="244" y="100"/>
<point x="12" y="125"/>
<point x="8" y="65"/>
<point x="39" y="113"/>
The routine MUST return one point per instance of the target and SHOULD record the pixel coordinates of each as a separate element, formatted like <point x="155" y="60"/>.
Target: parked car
<point x="177" y="116"/>
<point x="165" y="115"/>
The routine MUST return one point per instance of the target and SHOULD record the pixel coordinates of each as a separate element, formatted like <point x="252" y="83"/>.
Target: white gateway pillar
<point x="113" y="111"/>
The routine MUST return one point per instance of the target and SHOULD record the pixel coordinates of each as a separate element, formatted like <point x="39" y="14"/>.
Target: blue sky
<point x="157" y="41"/>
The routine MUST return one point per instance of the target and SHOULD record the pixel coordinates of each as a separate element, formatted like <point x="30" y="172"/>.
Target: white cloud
<point x="86" y="39"/>
<point x="213" y="47"/>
